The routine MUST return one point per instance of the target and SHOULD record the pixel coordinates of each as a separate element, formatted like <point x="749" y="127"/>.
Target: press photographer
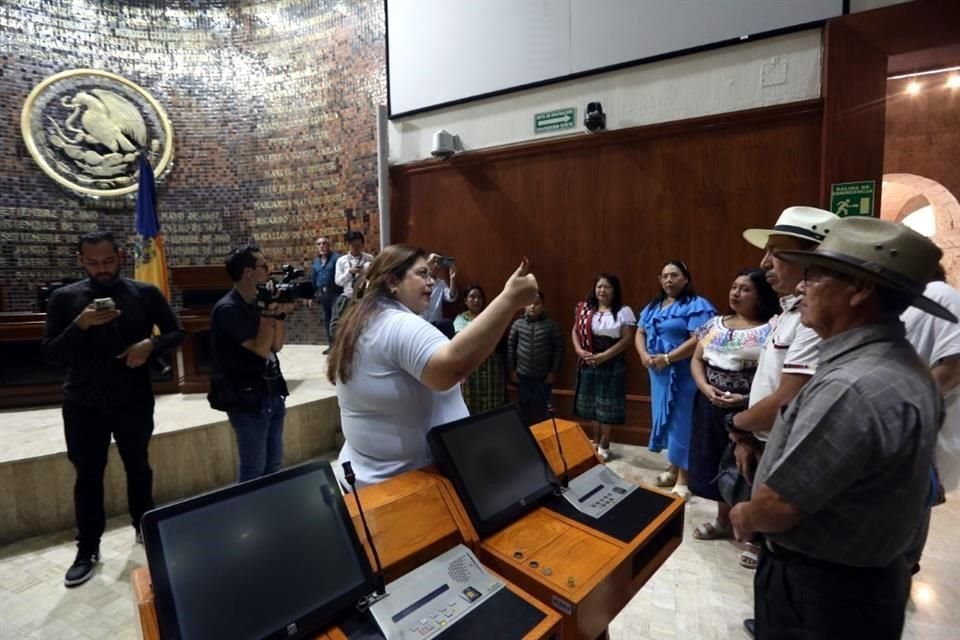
<point x="247" y="330"/>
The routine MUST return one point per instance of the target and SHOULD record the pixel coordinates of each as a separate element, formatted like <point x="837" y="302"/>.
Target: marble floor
<point x="699" y="593"/>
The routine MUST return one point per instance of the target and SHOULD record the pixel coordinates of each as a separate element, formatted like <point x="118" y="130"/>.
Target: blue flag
<point x="150" y="261"/>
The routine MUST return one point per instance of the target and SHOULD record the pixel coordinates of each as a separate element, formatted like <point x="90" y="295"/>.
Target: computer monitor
<point x="276" y="557"/>
<point x="495" y="465"/>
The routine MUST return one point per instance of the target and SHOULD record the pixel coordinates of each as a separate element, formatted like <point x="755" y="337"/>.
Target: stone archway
<point x="904" y="193"/>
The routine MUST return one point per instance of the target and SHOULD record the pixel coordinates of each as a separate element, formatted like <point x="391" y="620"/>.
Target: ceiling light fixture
<point x="914" y="88"/>
<point x="954" y="81"/>
<point x="917" y="74"/>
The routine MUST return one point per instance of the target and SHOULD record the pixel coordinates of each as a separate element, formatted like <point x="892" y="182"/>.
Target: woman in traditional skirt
<point x="602" y="330"/>
<point x="665" y="342"/>
<point x="723" y="365"/>
<point x="486" y="388"/>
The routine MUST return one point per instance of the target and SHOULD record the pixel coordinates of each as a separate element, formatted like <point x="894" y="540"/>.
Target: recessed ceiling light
<point x="913" y="88"/>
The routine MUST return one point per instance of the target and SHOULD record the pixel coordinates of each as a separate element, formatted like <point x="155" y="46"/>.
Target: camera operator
<point x="246" y="331"/>
<point x="101" y="329"/>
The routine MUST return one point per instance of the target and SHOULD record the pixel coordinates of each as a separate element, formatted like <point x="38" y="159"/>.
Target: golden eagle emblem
<point x="87" y="128"/>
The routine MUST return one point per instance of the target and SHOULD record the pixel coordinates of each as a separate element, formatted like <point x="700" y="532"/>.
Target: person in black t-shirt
<point x="107" y="389"/>
<point x="245" y="380"/>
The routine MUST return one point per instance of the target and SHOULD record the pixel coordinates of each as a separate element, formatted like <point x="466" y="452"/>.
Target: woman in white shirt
<point x="603" y="328"/>
<point x="723" y="365"/>
<point x="396" y="375"/>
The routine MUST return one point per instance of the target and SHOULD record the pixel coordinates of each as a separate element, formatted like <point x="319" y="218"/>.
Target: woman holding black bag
<point x="723" y="365"/>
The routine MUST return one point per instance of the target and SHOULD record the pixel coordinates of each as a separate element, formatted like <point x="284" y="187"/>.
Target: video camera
<point x="291" y="287"/>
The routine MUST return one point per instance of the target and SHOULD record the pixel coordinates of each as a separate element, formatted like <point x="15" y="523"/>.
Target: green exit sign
<point x="852" y="198"/>
<point x="556" y="120"/>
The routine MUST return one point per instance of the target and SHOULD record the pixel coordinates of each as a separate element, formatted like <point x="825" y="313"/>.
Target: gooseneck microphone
<point x="351" y="478"/>
<point x="564" y="479"/>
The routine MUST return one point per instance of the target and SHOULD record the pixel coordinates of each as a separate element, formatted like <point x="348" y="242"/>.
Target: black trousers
<point x="534" y="398"/>
<point x="88" y="431"/>
<point x="799" y="598"/>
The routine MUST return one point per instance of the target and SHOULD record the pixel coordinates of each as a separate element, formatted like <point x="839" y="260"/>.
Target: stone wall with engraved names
<point x="273" y="108"/>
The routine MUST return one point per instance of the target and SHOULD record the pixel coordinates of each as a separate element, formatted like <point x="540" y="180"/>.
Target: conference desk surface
<point x="359" y="628"/>
<point x="586" y="569"/>
<point x="578" y="573"/>
<point x="412" y="519"/>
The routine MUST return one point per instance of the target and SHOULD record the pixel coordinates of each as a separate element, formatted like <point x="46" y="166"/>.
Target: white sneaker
<point x="603" y="453"/>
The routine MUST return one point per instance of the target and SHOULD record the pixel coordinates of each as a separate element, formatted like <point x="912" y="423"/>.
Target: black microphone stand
<point x="381" y="589"/>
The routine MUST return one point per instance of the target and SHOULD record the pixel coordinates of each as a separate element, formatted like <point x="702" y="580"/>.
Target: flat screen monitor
<point x="495" y="465"/>
<point x="275" y="557"/>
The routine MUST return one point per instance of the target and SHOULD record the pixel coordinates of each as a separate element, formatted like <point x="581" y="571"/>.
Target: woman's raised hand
<point x="521" y="286"/>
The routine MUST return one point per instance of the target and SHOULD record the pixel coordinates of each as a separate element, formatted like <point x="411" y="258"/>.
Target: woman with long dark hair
<point x="396" y="375"/>
<point x="602" y="330"/>
<point x="665" y="341"/>
<point x="486" y="388"/>
<point x="723" y="366"/>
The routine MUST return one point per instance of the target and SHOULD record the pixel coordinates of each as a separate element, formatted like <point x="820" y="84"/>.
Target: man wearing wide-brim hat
<point x="846" y="475"/>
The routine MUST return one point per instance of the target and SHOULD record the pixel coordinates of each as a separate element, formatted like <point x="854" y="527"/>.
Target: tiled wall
<point x="273" y="105"/>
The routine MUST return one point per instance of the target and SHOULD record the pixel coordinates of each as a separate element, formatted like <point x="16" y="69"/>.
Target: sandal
<point x="711" y="531"/>
<point x="682" y="490"/>
<point x="666" y="479"/>
<point x="748" y="557"/>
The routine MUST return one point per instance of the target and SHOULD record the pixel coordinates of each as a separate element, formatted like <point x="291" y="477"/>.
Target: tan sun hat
<point x="887" y="253"/>
<point x="807" y="223"/>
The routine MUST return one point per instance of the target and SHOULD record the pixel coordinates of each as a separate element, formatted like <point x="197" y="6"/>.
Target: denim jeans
<point x="259" y="438"/>
<point x="327" y="301"/>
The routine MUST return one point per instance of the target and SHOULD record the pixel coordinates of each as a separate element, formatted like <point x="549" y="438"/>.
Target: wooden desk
<point x="606" y="572"/>
<point x="592" y="576"/>
<point x="577" y="450"/>
<point x="21" y="335"/>
<point x="200" y="286"/>
<point x="412" y="519"/>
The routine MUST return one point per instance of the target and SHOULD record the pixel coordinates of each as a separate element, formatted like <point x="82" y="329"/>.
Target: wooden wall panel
<point x="622" y="201"/>
<point x="854" y="93"/>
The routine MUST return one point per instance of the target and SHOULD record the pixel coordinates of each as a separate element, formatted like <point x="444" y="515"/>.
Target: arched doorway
<point x="927" y="206"/>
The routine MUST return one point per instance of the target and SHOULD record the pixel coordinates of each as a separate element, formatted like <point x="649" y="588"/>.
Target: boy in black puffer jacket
<point x="534" y="355"/>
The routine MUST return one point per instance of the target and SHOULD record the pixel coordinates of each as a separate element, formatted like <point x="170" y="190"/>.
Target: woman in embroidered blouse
<point x="486" y="388"/>
<point x="602" y="330"/>
<point x="665" y="341"/>
<point x="723" y="366"/>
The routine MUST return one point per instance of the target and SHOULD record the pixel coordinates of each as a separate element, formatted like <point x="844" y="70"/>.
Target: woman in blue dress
<point x="665" y="341"/>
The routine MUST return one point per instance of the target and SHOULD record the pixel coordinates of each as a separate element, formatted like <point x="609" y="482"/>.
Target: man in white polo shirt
<point x="790" y="355"/>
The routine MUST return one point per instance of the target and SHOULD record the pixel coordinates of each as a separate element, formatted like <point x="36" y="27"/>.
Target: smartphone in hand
<point x="103" y="304"/>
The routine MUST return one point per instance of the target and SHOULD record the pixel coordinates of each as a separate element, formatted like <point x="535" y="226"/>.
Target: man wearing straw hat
<point x="846" y="475"/>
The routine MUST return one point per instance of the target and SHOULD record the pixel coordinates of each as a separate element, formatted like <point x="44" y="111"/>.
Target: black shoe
<point x="139" y="537"/>
<point x="82" y="568"/>
<point x="326" y="351"/>
<point x="751" y="626"/>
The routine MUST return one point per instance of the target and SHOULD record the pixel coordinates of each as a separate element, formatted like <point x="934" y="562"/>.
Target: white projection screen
<point x="441" y="52"/>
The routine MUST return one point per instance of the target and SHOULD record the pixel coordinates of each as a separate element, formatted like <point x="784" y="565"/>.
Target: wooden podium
<point x="577" y="575"/>
<point x="412" y="518"/>
<point x="584" y="573"/>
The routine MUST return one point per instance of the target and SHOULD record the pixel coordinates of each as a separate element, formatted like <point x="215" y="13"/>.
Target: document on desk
<point x="597" y="491"/>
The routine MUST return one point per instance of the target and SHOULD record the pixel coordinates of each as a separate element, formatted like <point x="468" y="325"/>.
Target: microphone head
<point x="348" y="473"/>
